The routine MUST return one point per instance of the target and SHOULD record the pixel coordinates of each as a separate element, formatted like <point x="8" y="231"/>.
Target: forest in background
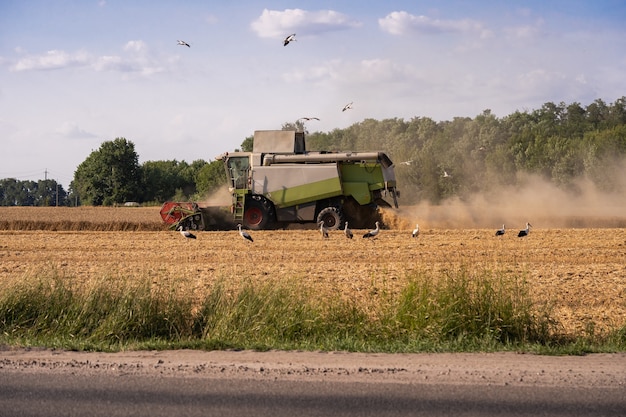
<point x="570" y="147"/>
<point x="562" y="144"/>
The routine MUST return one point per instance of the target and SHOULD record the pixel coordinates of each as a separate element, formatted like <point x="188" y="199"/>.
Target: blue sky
<point x="74" y="74"/>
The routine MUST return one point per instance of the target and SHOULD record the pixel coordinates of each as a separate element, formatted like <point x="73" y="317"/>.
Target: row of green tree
<point x="559" y="142"/>
<point x="112" y="175"/>
<point x="15" y="192"/>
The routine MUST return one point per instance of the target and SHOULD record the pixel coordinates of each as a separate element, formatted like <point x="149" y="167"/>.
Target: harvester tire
<point x="332" y="218"/>
<point x="258" y="214"/>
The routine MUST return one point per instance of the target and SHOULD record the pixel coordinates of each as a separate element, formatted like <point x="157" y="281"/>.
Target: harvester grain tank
<point x="281" y="183"/>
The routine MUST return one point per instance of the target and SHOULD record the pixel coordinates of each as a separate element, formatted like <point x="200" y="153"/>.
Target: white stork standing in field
<point x="186" y="233"/>
<point x="324" y="231"/>
<point x="372" y="233"/>
<point x="183" y="43"/>
<point x="526" y="231"/>
<point x="416" y="231"/>
<point x="348" y="232"/>
<point x="347" y="106"/>
<point x="290" y="38"/>
<point x="500" y="232"/>
<point x="244" y="234"/>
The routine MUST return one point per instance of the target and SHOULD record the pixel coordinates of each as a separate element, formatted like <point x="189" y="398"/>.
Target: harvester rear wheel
<point x="332" y="218"/>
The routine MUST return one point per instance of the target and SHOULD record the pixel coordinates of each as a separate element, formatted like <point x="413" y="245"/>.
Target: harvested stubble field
<point x="580" y="272"/>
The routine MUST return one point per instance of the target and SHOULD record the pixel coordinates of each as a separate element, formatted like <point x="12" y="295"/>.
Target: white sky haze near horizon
<point x="74" y="74"/>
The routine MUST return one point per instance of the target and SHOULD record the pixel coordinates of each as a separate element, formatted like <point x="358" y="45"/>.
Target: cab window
<point x="238" y="169"/>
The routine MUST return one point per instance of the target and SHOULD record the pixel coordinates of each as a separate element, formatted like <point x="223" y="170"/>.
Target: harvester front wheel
<point x="257" y="215"/>
<point x="332" y="218"/>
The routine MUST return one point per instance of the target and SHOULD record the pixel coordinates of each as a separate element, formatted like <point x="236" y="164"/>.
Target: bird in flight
<point x="308" y="118"/>
<point x="290" y="38"/>
<point x="347" y="107"/>
<point x="183" y="43"/>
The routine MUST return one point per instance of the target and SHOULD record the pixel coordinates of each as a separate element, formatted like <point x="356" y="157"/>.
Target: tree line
<point x="561" y="143"/>
<point x="14" y="192"/>
<point x="112" y="175"/>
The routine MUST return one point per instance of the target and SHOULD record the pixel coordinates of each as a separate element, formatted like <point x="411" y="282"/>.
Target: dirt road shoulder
<point x="596" y="370"/>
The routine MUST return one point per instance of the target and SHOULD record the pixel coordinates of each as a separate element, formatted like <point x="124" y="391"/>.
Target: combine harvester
<point x="281" y="183"/>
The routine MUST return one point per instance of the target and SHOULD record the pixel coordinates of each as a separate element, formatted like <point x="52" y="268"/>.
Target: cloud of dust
<point x="536" y="201"/>
<point x="220" y="198"/>
<point x="216" y="210"/>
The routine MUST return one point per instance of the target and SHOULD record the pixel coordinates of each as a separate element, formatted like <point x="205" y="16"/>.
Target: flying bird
<point x="323" y="230"/>
<point x="372" y="233"/>
<point x="289" y="38"/>
<point x="500" y="232"/>
<point x="186" y="233"/>
<point x="416" y="231"/>
<point x="348" y="232"/>
<point x="308" y="118"/>
<point x="183" y="43"/>
<point x="526" y="231"/>
<point x="446" y="175"/>
<point x="244" y="234"/>
<point x="347" y="107"/>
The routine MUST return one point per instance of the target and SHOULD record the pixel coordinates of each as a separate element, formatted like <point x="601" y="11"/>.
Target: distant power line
<point x="24" y="174"/>
<point x="44" y="174"/>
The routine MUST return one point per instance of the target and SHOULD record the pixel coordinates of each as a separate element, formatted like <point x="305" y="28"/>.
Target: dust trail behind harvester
<point x="537" y="201"/>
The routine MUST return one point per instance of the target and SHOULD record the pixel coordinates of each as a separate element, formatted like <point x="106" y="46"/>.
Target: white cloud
<point x="71" y="130"/>
<point x="354" y="72"/>
<point x="108" y="63"/>
<point x="375" y="71"/>
<point x="522" y="32"/>
<point x="402" y="23"/>
<point x="135" y="46"/>
<point x="525" y="33"/>
<point x="135" y="59"/>
<point x="316" y="73"/>
<point x="51" y="60"/>
<point x="276" y="24"/>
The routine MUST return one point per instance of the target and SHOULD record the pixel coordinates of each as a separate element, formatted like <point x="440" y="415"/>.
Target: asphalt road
<point x="28" y="394"/>
<point x="230" y="383"/>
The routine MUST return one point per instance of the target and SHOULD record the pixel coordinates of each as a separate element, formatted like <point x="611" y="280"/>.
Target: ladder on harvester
<point x="239" y="200"/>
